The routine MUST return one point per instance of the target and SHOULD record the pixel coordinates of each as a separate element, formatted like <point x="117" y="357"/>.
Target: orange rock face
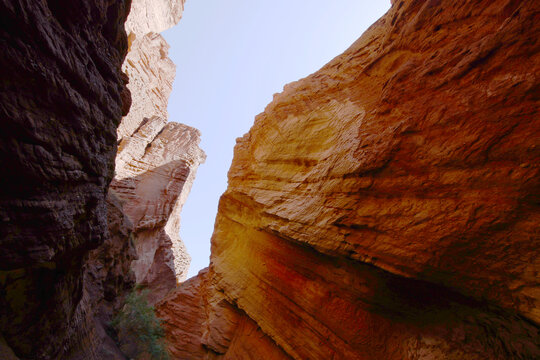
<point x="224" y="330"/>
<point x="386" y="207"/>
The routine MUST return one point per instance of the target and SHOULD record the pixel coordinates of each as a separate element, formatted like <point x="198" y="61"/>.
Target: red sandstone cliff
<point x="385" y="207"/>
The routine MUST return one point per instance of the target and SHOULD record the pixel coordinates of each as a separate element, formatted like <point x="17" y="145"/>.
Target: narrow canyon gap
<point x="384" y="207"/>
<point x="231" y="58"/>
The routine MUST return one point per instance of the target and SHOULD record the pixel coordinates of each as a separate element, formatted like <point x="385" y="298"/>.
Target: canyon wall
<point x="387" y="206"/>
<point x="72" y="247"/>
<point x="156" y="161"/>
<point x="62" y="97"/>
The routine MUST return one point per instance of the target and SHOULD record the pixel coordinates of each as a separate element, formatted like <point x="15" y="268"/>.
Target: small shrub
<point x="139" y="330"/>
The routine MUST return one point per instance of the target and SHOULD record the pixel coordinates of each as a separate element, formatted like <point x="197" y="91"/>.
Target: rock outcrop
<point x="62" y="97"/>
<point x="154" y="182"/>
<point x="107" y="279"/>
<point x="197" y="333"/>
<point x="156" y="161"/>
<point x="67" y="246"/>
<point x="387" y="206"/>
<point x="148" y="16"/>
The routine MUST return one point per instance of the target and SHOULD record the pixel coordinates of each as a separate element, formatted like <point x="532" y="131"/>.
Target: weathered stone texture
<point x="153" y="15"/>
<point x="151" y="74"/>
<point x="147" y="64"/>
<point x="386" y="207"/>
<point x="66" y="252"/>
<point x="61" y="100"/>
<point x="224" y="333"/>
<point x="154" y="183"/>
<point x="107" y="278"/>
<point x="156" y="161"/>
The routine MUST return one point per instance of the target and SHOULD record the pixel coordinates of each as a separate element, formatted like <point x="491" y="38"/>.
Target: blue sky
<point x="231" y="57"/>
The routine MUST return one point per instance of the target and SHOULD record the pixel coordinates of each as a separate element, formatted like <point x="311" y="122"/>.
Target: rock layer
<point x="151" y="74"/>
<point x="153" y="15"/>
<point x="224" y="330"/>
<point x="156" y="167"/>
<point x="67" y="249"/>
<point x="62" y="96"/>
<point x="386" y="207"/>
<point x="156" y="161"/>
<point x="107" y="279"/>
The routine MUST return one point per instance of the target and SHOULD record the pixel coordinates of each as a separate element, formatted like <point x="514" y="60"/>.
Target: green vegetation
<point x="138" y="328"/>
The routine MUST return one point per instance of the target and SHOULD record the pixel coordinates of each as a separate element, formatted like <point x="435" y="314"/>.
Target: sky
<point x="231" y="57"/>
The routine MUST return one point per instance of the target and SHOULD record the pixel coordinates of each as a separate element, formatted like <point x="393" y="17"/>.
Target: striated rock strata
<point x="148" y="16"/>
<point x="62" y="97"/>
<point x="201" y="323"/>
<point x="385" y="207"/>
<point x="156" y="161"/>
<point x="68" y="248"/>
<point x="154" y="183"/>
<point x="107" y="278"/>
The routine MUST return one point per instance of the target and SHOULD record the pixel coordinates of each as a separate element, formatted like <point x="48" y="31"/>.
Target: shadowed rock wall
<point x="70" y="252"/>
<point x="61" y="101"/>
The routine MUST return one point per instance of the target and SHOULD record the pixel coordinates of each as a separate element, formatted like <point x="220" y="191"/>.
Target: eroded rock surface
<point x="151" y="74"/>
<point x="107" y="279"/>
<point x="154" y="15"/>
<point x="225" y="329"/>
<point x="386" y="207"/>
<point x="147" y="65"/>
<point x="156" y="161"/>
<point x="155" y="170"/>
<point x="62" y="96"/>
<point x="67" y="251"/>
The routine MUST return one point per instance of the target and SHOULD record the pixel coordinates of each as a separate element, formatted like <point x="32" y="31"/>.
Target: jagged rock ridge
<point x="385" y="207"/>
<point x="156" y="161"/>
<point x="148" y="16"/>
